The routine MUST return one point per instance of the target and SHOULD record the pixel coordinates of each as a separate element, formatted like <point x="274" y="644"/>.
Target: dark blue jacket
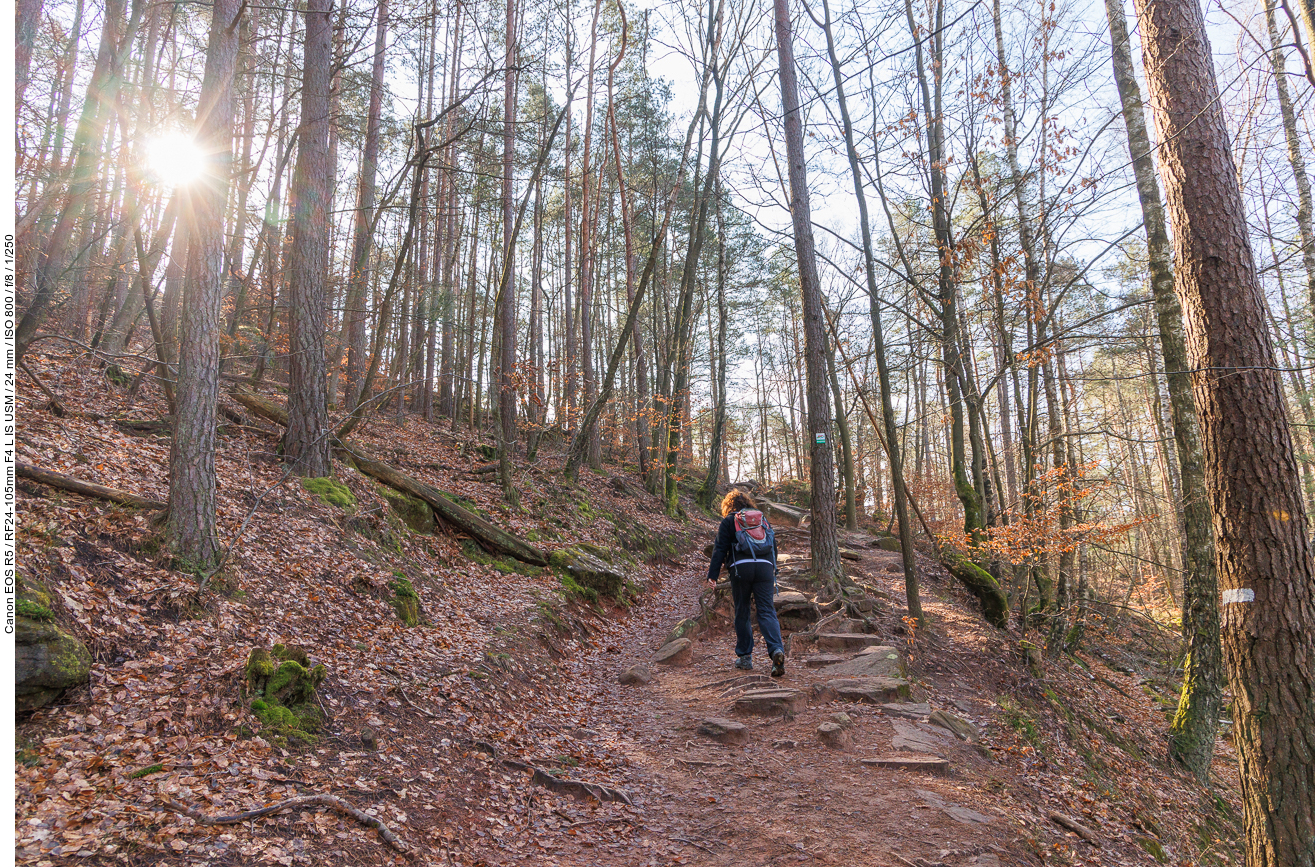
<point x="725" y="547"/>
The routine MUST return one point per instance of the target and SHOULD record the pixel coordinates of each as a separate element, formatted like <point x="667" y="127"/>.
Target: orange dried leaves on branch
<point x="1035" y="533"/>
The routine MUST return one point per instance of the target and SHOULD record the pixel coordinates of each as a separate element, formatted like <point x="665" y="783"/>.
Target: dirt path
<point x="782" y="797"/>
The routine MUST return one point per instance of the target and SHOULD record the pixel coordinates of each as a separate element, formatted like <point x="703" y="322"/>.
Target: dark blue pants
<point x="755" y="581"/>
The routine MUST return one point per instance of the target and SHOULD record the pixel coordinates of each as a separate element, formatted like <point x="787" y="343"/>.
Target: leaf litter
<point x="509" y="673"/>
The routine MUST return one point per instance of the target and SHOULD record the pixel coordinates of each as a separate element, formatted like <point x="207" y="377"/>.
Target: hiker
<point x="748" y="545"/>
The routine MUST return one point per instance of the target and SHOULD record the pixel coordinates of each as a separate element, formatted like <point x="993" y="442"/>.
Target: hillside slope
<point x="461" y="733"/>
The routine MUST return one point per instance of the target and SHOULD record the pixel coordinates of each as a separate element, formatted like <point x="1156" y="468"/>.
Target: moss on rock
<point x="588" y="571"/>
<point x="413" y="511"/>
<point x="33" y="610"/>
<point x="330" y="492"/>
<point x="47" y="661"/>
<point x="283" y="683"/>
<point x="405" y="601"/>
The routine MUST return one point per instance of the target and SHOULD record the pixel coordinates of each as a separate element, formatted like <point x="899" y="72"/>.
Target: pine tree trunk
<point x="1192" y="734"/>
<point x="192" y="450"/>
<point x="306" y="443"/>
<point x="822" y="483"/>
<point x="98" y="112"/>
<point x="1262" y="555"/>
<point x="358" y="270"/>
<point x="507" y="297"/>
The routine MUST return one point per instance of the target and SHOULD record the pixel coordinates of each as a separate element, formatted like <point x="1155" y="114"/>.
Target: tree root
<point x="575" y="788"/>
<point x="331" y="801"/>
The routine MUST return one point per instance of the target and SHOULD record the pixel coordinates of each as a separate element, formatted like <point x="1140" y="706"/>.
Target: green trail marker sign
<point x="821" y="439"/>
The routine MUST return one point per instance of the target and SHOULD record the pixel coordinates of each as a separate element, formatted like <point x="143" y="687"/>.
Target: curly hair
<point x="735" y="500"/>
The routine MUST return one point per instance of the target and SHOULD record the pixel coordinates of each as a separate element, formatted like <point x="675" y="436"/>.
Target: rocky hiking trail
<point x="458" y="707"/>
<point x="873" y="749"/>
<point x="741" y="768"/>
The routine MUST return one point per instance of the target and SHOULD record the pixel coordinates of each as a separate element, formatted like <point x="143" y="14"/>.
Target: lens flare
<point x="174" y="159"/>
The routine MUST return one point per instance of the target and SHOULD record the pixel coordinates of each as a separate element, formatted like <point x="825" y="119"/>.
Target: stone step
<point x="908" y="709"/>
<point x="869" y="690"/>
<point x="725" y="731"/>
<point x="821" y="660"/>
<point x="873" y="661"/>
<point x="924" y="764"/>
<point x="770" y="702"/>
<point x="846" y="641"/>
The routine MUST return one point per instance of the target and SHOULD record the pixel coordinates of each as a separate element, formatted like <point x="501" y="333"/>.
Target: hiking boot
<point x="778" y="663"/>
<point x="744" y="663"/>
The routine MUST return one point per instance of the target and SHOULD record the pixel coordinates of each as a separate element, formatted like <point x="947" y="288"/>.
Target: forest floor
<point x="510" y="672"/>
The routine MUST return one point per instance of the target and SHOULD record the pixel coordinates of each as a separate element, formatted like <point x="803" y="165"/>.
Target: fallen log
<point x="266" y="409"/>
<point x="490" y="536"/>
<point x="85" y="488"/>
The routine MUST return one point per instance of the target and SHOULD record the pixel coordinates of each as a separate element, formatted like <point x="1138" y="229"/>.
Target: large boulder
<point x="795" y="610"/>
<point x="780" y="513"/>
<point x="636" y="675"/>
<point x="47" y="660"/>
<point x="869" y="690"/>
<point x="960" y="727"/>
<point x="725" y="731"/>
<point x="833" y="736"/>
<point x="589" y="570"/>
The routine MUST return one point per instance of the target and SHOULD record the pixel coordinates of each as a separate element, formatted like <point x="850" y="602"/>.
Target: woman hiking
<point x="747" y="544"/>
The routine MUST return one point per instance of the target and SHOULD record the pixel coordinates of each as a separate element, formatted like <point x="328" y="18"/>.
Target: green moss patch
<point x="505" y="565"/>
<point x="283" y="684"/>
<point x="33" y="610"/>
<point x="413" y="511"/>
<point x="573" y="588"/>
<point x="146" y="772"/>
<point x="330" y="492"/>
<point x="405" y="601"/>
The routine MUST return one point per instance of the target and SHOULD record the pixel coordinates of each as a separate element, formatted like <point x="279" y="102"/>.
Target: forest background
<point x="520" y="217"/>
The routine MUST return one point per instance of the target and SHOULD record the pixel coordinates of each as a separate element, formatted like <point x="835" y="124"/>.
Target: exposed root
<point x="331" y="801"/>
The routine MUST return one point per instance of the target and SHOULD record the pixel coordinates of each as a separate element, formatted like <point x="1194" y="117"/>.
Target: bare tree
<point x="822" y="532"/>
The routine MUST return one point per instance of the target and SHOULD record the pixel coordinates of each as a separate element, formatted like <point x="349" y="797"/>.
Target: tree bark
<point x="358" y="273"/>
<point x="1262" y="555"/>
<point x="192" y="450"/>
<point x="306" y="444"/>
<point x="97" y="113"/>
<point x="822" y="483"/>
<point x="507" y="295"/>
<point x="1192" y="734"/>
